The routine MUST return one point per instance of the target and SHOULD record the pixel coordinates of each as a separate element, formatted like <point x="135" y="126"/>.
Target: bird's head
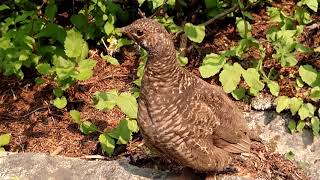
<point x="148" y="33"/>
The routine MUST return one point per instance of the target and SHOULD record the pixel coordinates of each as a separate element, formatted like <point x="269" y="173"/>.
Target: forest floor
<point x="37" y="126"/>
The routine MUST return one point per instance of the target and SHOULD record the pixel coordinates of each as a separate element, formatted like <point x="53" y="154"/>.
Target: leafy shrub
<point x="33" y="37"/>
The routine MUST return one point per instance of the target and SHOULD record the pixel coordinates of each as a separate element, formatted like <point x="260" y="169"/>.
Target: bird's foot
<point x="228" y="170"/>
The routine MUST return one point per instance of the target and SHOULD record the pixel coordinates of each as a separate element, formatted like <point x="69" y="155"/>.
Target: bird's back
<point x="192" y="122"/>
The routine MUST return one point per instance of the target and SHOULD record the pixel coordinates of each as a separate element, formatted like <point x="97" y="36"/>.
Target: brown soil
<point x="37" y="126"/>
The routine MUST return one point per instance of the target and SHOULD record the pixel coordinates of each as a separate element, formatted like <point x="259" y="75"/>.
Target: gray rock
<point x="30" y="166"/>
<point x="273" y="130"/>
<point x="263" y="102"/>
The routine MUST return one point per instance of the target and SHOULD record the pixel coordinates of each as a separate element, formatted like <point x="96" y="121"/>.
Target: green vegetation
<point x="4" y="140"/>
<point x="33" y="37"/>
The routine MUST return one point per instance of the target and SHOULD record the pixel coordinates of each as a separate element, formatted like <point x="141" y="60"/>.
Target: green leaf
<point x="79" y="20"/>
<point x="282" y="103"/>
<point x="252" y="78"/>
<point x="312" y="4"/>
<point x="58" y="92"/>
<point x="274" y="87"/>
<point x="181" y="59"/>
<point x="239" y="93"/>
<point x="54" y="31"/>
<point x="124" y="130"/>
<point x="84" y="74"/>
<point x="274" y="14"/>
<point x="301" y="124"/>
<point x="110" y="59"/>
<point x="306" y="110"/>
<point x="51" y="10"/>
<point x="171" y="2"/>
<point x="290" y="156"/>
<point x="230" y="77"/>
<point x="85" y="69"/>
<point x="109" y="27"/>
<point x="44" y="68"/>
<point x="169" y="24"/>
<point x="105" y="100"/>
<point x="315" y="123"/>
<point x="75" y="115"/>
<point x="308" y="75"/>
<point x="299" y="82"/>
<point x="156" y="3"/>
<point x="39" y="81"/>
<point x="128" y="104"/>
<point x="243" y="27"/>
<point x="195" y="33"/>
<point x="60" y="102"/>
<point x="107" y="144"/>
<point x="4" y="7"/>
<point x="211" y="65"/>
<point x="315" y="93"/>
<point x="295" y="104"/>
<point x="86" y="127"/>
<point x="292" y="126"/>
<point x="75" y="46"/>
<point x="86" y="64"/>
<point x="133" y="126"/>
<point x="302" y="16"/>
<point x="288" y="60"/>
<point x="5" y="139"/>
<point x="141" y="2"/>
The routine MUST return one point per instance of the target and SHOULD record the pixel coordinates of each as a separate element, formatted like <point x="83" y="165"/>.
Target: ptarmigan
<point x="180" y="115"/>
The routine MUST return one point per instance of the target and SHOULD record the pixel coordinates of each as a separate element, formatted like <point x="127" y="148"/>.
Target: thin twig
<point x="224" y="13"/>
<point x="23" y="116"/>
<point x="13" y="94"/>
<point x="159" y="9"/>
<point x="103" y="78"/>
<point x="141" y="14"/>
<point x="105" y="45"/>
<point x="57" y="151"/>
<point x="27" y="114"/>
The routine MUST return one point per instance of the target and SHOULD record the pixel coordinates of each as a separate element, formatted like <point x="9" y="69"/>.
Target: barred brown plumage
<point x="180" y="115"/>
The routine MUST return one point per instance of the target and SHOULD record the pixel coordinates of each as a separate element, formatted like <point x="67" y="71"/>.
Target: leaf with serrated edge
<point x="43" y="68"/>
<point x="292" y="126"/>
<point x="75" y="46"/>
<point x="128" y="104"/>
<point x="230" y="77"/>
<point x="105" y="100"/>
<point x="282" y="103"/>
<point x="5" y="139"/>
<point x="308" y="74"/>
<point x="315" y="125"/>
<point x="301" y="124"/>
<point x="315" y="93"/>
<point x="107" y="143"/>
<point x="306" y="110"/>
<point x="211" y="65"/>
<point x="238" y="93"/>
<point x="195" y="33"/>
<point x="75" y="116"/>
<point x="60" y="102"/>
<point x="86" y="127"/>
<point x="274" y="87"/>
<point x="295" y="104"/>
<point x="252" y="78"/>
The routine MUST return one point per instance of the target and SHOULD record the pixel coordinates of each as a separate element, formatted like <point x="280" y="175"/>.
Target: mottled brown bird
<point x="180" y="115"/>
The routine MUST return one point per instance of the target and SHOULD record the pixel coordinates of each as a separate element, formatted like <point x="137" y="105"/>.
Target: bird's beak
<point x="125" y="31"/>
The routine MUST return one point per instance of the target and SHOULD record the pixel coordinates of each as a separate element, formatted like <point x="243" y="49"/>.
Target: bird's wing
<point x="215" y="117"/>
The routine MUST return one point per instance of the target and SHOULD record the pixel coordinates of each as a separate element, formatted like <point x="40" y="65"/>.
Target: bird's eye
<point x="139" y="32"/>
